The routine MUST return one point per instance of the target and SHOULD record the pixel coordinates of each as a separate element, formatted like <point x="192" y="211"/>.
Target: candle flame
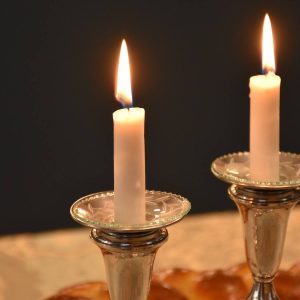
<point x="268" y="60"/>
<point x="123" y="88"/>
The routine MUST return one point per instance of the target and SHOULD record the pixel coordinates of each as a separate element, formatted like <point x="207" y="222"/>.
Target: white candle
<point x="264" y="115"/>
<point x="129" y="151"/>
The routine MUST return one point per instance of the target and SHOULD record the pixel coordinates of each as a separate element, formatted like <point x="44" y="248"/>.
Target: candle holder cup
<point x="265" y="208"/>
<point x="129" y="250"/>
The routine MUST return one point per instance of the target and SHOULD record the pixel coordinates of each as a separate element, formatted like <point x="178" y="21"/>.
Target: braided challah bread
<point x="181" y="284"/>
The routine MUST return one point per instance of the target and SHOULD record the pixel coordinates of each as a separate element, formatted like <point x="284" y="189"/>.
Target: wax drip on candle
<point x="123" y="85"/>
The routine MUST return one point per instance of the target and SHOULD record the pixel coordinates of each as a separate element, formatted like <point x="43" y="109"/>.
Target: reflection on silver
<point x="129" y="260"/>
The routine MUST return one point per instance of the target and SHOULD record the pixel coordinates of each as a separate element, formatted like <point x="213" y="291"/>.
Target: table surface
<point x="34" y="266"/>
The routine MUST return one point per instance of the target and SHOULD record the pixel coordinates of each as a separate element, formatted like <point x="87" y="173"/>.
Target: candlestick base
<point x="265" y="208"/>
<point x="129" y="250"/>
<point x="263" y="291"/>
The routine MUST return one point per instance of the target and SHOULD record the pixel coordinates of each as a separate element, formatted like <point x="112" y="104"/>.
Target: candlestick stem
<point x="263" y="290"/>
<point x="129" y="259"/>
<point x="265" y="215"/>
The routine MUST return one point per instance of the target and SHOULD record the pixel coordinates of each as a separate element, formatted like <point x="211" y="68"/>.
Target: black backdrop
<point x="191" y="62"/>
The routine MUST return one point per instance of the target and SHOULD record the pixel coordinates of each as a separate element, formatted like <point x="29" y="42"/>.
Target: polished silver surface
<point x="263" y="291"/>
<point x="129" y="259"/>
<point x="265" y="215"/>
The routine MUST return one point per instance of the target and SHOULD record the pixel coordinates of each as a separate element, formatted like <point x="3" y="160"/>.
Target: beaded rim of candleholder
<point x="234" y="168"/>
<point x="97" y="211"/>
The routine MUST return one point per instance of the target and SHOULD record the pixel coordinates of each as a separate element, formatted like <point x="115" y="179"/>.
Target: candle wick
<point x="268" y="70"/>
<point x="127" y="106"/>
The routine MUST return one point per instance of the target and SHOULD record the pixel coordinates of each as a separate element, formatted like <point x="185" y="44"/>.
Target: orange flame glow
<point x="268" y="60"/>
<point x="123" y="87"/>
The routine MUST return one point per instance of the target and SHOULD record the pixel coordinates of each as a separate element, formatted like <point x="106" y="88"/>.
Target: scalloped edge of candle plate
<point x="229" y="177"/>
<point x="119" y="227"/>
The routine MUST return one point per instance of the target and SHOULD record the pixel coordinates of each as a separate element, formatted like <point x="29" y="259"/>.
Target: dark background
<point x="190" y="61"/>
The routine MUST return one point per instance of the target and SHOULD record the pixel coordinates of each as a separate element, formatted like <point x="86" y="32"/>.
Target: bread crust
<point x="183" y="284"/>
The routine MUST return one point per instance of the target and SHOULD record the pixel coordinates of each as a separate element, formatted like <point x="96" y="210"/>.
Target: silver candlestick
<point x="265" y="208"/>
<point x="129" y="250"/>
